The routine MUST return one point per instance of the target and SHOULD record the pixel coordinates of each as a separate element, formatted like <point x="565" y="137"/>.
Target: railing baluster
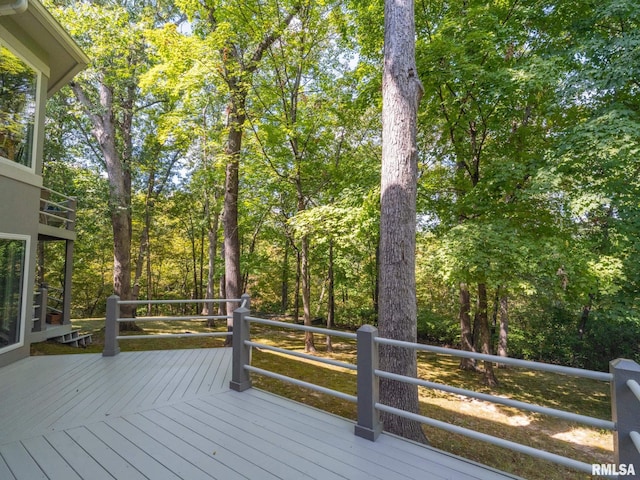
<point x="43" y="300"/>
<point x="625" y="408"/>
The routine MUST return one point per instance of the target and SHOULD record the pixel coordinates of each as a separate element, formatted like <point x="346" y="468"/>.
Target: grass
<point x="583" y="396"/>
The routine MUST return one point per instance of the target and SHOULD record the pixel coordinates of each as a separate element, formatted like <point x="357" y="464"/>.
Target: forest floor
<point x="565" y="438"/>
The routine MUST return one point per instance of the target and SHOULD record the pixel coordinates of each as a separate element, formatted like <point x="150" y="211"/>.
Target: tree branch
<point x="269" y="39"/>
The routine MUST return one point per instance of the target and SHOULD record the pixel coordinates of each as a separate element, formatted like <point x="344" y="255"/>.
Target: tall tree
<point x="240" y="33"/>
<point x="599" y="158"/>
<point x="489" y="112"/>
<point x="301" y="135"/>
<point x="401" y="94"/>
<point x="107" y="95"/>
<point x="117" y="119"/>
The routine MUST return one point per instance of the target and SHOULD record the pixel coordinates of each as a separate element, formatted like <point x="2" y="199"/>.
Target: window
<point x="13" y="251"/>
<point x="18" y="87"/>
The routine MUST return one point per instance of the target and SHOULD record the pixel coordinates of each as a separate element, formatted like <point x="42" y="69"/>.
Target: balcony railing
<point x="113" y="320"/>
<point x="47" y="307"/>
<point x="624" y="377"/>
<point x="57" y="210"/>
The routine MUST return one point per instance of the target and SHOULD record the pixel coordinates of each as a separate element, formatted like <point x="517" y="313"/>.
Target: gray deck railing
<point x="43" y="307"/>
<point x="113" y="320"/>
<point x="624" y="377"/>
<point x="40" y="299"/>
<point x="57" y="209"/>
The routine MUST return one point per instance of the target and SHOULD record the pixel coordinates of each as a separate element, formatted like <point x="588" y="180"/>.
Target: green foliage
<point x="528" y="156"/>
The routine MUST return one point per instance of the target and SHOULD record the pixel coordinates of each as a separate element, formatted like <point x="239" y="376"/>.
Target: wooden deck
<point x="170" y="415"/>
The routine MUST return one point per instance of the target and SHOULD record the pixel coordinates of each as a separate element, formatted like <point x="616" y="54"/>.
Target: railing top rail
<point x="60" y="206"/>
<point x="544" y="367"/>
<point x="50" y="190"/>
<point x="175" y="318"/>
<point x="305" y="328"/>
<point x="160" y="302"/>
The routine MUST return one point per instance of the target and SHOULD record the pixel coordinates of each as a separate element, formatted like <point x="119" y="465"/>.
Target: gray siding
<point x="20" y="203"/>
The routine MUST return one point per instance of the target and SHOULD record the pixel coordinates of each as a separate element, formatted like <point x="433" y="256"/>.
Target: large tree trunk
<point x="485" y="334"/>
<point x="331" y="298"/>
<point x="143" y="249"/>
<point x="212" y="238"/>
<point x="309" y="344"/>
<point x="194" y="256"/>
<point x="222" y="308"/>
<point x="119" y="176"/>
<point x="584" y="317"/>
<point x="233" y="277"/>
<point x="401" y="93"/>
<point x="504" y="327"/>
<point x="284" y="291"/>
<point x="466" y="335"/>
<point x="122" y="265"/>
<point x="296" y="298"/>
<point x="237" y="73"/>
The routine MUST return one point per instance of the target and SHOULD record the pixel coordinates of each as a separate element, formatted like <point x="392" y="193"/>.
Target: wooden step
<point x="75" y="339"/>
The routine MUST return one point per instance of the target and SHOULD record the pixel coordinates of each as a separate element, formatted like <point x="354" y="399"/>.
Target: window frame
<point x="18" y="52"/>
<point x="25" y="298"/>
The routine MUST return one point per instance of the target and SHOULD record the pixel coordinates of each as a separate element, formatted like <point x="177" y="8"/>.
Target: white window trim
<point x="26" y="302"/>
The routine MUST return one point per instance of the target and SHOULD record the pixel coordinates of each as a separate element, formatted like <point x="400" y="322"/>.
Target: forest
<point x="195" y="114"/>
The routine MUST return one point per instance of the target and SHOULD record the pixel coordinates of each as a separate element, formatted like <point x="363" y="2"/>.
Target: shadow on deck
<point x="171" y="415"/>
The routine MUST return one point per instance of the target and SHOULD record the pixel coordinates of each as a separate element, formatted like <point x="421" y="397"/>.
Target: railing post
<point x="241" y="355"/>
<point x="369" y="425"/>
<point x="43" y="299"/>
<point x="625" y="410"/>
<point x="111" y="327"/>
<point x="68" y="274"/>
<point x="72" y="204"/>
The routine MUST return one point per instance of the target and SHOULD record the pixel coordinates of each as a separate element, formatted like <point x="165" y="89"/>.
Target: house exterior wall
<point x="33" y="35"/>
<point x="20" y="204"/>
<point x="20" y="191"/>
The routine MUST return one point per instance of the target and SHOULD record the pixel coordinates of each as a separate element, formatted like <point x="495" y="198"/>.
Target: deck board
<point x="339" y="447"/>
<point x="305" y="442"/>
<point x="83" y="464"/>
<point x="167" y="415"/>
<point x="49" y="460"/>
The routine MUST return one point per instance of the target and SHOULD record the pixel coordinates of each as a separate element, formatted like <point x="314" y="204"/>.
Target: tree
<point x="598" y="156"/>
<point x="401" y="94"/>
<point x="117" y="119"/>
<point x="107" y="95"/>
<point x="486" y="182"/>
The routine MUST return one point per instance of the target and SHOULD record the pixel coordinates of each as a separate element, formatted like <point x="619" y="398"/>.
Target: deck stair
<point x="75" y="339"/>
